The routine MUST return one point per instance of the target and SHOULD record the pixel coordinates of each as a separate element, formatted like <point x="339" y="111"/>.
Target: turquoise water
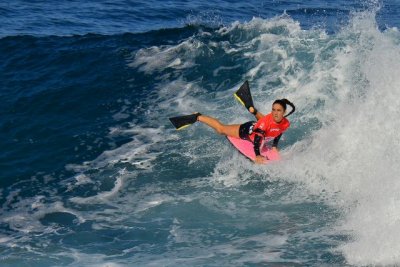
<point x="93" y="174"/>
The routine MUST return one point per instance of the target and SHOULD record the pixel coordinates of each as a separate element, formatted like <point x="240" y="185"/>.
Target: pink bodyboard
<point x="246" y="148"/>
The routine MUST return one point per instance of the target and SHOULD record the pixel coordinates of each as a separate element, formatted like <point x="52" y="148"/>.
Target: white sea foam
<point x="26" y="214"/>
<point x="353" y="157"/>
<point x="179" y="56"/>
<point x="101" y="197"/>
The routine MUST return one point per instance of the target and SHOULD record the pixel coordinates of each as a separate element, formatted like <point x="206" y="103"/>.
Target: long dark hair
<point x="284" y="102"/>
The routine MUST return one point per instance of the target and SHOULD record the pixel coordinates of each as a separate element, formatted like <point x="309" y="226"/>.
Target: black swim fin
<point x="181" y="122"/>
<point x="243" y="95"/>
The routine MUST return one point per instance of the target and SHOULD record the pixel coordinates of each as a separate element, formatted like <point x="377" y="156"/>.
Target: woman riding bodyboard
<point x="271" y="125"/>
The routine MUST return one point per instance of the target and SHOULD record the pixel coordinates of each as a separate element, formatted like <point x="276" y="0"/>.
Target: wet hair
<point x="284" y="102"/>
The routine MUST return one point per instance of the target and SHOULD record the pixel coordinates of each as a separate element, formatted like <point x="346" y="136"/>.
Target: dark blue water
<point x="111" y="17"/>
<point x="92" y="173"/>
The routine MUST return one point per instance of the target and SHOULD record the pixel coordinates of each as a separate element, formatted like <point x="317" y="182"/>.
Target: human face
<point x="277" y="112"/>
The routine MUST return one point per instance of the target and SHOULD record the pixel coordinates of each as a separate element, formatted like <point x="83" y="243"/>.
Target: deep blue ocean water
<point x="93" y="174"/>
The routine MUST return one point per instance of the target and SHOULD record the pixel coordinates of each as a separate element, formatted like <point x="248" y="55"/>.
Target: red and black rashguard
<point x="263" y="128"/>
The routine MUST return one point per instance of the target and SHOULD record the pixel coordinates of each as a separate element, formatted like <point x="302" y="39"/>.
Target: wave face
<point x="93" y="174"/>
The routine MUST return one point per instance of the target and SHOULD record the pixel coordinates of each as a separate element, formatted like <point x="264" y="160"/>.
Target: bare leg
<point x="228" y="130"/>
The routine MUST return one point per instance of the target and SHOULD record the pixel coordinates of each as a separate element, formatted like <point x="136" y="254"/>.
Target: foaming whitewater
<point x="352" y="160"/>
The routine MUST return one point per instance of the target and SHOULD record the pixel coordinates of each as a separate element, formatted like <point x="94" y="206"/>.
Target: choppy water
<point x="93" y="174"/>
